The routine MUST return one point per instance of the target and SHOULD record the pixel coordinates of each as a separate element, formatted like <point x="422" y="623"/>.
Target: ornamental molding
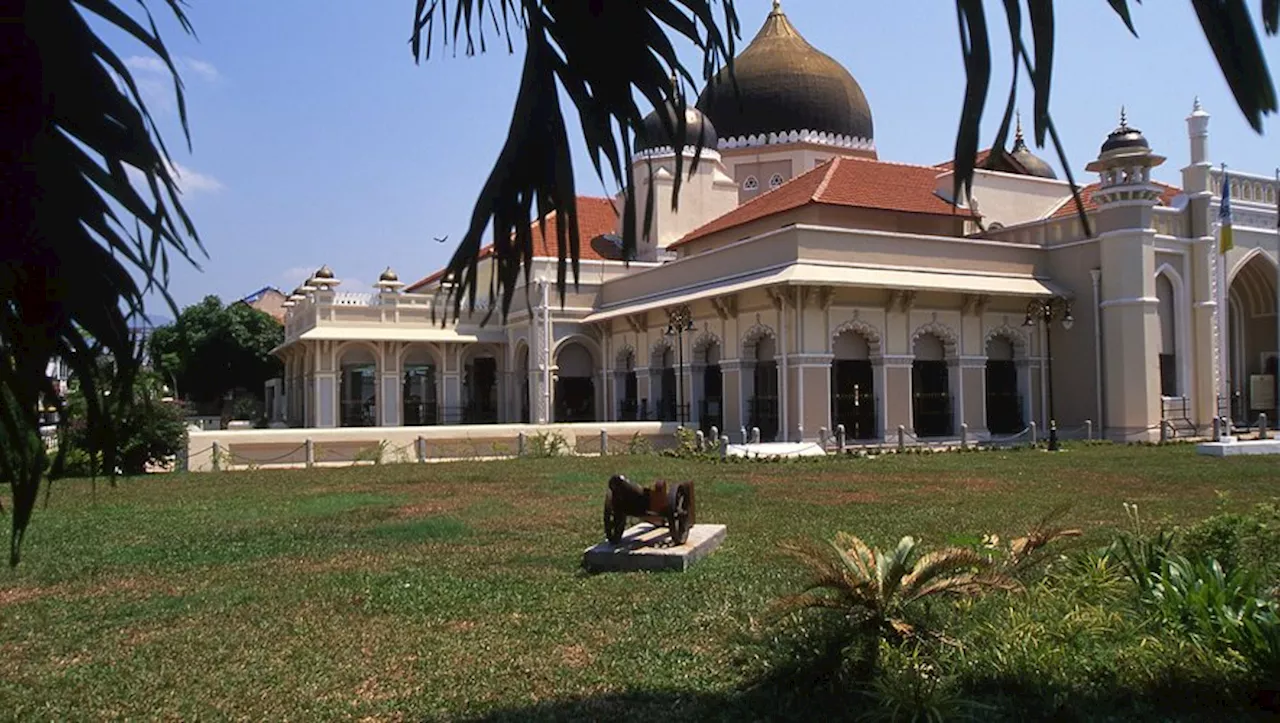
<point x="819" y="138"/>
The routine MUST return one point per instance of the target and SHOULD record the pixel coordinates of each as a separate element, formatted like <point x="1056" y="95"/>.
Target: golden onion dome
<point x="785" y="84"/>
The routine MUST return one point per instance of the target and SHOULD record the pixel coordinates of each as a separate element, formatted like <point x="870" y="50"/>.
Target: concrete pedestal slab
<point x="1239" y="447"/>
<point x="645" y="547"/>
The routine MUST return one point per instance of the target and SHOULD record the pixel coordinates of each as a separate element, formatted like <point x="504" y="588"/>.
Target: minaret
<point x="1126" y="198"/>
<point x="1198" y="132"/>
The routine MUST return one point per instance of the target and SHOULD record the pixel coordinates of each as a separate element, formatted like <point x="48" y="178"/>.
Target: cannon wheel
<point x="614" y="523"/>
<point x="678" y="517"/>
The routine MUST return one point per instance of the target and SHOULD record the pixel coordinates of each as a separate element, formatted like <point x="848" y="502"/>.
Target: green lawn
<point x="453" y="590"/>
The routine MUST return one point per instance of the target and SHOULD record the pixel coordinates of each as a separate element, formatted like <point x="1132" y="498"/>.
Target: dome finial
<point x="1017" y="132"/>
<point x="777" y="7"/>
<point x="1124" y="121"/>
<point x="1195" y="105"/>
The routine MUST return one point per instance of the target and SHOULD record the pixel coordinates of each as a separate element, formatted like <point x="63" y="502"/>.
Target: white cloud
<point x="190" y="182"/>
<point x="186" y="65"/>
<point x="193" y="182"/>
<point x="202" y="68"/>
<point x="146" y="64"/>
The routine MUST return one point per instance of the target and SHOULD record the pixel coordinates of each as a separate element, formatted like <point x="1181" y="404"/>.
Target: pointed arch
<point x="753" y="336"/>
<point x="864" y="329"/>
<point x="1015" y="336"/>
<point x="703" y="344"/>
<point x="945" y="334"/>
<point x="625" y="359"/>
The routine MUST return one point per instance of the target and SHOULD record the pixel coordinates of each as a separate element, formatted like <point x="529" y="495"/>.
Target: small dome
<point x="785" y="84"/>
<point x="324" y="272"/>
<point x="697" y="130"/>
<point x="1124" y="137"/>
<point x="1034" y="165"/>
<point x="388" y="275"/>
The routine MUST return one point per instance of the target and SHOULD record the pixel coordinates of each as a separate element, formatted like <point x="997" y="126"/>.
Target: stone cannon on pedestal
<point x="663" y="504"/>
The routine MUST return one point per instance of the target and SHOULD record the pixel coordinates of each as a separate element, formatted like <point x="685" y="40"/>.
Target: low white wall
<point x="287" y="447"/>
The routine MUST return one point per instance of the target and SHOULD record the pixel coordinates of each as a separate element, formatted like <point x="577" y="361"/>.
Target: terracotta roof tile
<point x="596" y="217"/>
<point x="856" y="182"/>
<point x="978" y="160"/>
<point x="1069" y="208"/>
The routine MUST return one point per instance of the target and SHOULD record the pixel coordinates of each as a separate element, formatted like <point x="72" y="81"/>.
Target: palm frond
<point x="1025" y="551"/>
<point x="601" y="55"/>
<point x="77" y="126"/>
<point x="940" y="564"/>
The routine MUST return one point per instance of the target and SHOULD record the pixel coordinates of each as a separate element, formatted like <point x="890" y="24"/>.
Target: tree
<point x="211" y="350"/>
<point x="606" y="55"/>
<point x="82" y="241"/>
<point x="149" y="429"/>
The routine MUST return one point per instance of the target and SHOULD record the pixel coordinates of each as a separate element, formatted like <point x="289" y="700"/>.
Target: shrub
<point x="547" y="444"/>
<point x="1239" y="540"/>
<point x="149" y="431"/>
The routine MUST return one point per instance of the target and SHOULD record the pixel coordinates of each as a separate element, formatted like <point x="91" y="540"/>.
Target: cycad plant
<point x="875" y="590"/>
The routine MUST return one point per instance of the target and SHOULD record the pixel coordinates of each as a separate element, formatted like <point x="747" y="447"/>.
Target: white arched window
<point x="1168" y="337"/>
<point x="776" y="181"/>
<point x="750" y="184"/>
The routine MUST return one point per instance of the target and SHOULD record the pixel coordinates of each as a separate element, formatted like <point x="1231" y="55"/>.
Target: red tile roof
<point x="596" y="217"/>
<point x="856" y="182"/>
<point x="978" y="161"/>
<point x="1069" y="208"/>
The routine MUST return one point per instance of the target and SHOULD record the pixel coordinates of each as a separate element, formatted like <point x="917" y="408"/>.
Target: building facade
<point x="806" y="283"/>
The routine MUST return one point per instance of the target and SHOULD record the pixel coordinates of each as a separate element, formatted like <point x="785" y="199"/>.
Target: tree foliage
<point x="149" y="428"/>
<point x="83" y="242"/>
<point x="607" y="55"/>
<point x="212" y="349"/>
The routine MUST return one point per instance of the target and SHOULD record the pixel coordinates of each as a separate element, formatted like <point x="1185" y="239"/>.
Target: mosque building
<point x="805" y="283"/>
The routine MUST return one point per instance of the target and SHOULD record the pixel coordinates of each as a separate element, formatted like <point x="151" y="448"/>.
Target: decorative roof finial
<point x="1017" y="133"/>
<point x="1195" y="105"/>
<point x="777" y="6"/>
<point x="1124" y="121"/>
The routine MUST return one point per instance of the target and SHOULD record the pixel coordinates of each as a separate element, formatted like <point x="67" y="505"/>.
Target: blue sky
<point x="316" y="138"/>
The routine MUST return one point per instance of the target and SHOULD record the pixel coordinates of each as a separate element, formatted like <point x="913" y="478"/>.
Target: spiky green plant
<point x="875" y="589"/>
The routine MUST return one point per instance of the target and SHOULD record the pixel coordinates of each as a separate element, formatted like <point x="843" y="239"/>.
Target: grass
<point x="453" y="590"/>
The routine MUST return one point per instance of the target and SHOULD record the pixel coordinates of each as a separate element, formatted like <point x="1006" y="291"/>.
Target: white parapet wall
<point x="240" y="448"/>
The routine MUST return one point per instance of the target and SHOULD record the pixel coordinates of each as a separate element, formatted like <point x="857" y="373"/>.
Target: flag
<point x="1226" y="241"/>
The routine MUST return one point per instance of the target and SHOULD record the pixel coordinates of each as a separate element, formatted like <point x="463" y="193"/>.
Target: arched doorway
<point x="480" y="388"/>
<point x="420" y="392"/>
<point x="575" y="386"/>
<point x="522" y="381"/>
<point x="1252" y="333"/>
<point x="627" y="386"/>
<point x="853" y="390"/>
<point x="358" y="386"/>
<point x="931" y="387"/>
<point x="1166" y="309"/>
<point x="1004" y="402"/>
<point x="708" y="384"/>
<point x="763" y="402"/>
<point x="662" y="377"/>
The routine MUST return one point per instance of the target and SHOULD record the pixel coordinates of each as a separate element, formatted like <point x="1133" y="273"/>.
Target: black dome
<point x="697" y="130"/>
<point x="1125" y="137"/>
<point x="1034" y="165"/>
<point x="785" y="84"/>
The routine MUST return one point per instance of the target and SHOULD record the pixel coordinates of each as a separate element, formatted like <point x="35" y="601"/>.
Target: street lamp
<point x="1045" y="311"/>
<point x="680" y="320"/>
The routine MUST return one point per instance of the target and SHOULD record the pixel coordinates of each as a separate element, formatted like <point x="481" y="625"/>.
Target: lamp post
<point x="680" y="320"/>
<point x="1045" y="311"/>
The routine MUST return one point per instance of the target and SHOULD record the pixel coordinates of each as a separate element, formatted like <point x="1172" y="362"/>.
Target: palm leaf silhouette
<point x="84" y="242"/>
